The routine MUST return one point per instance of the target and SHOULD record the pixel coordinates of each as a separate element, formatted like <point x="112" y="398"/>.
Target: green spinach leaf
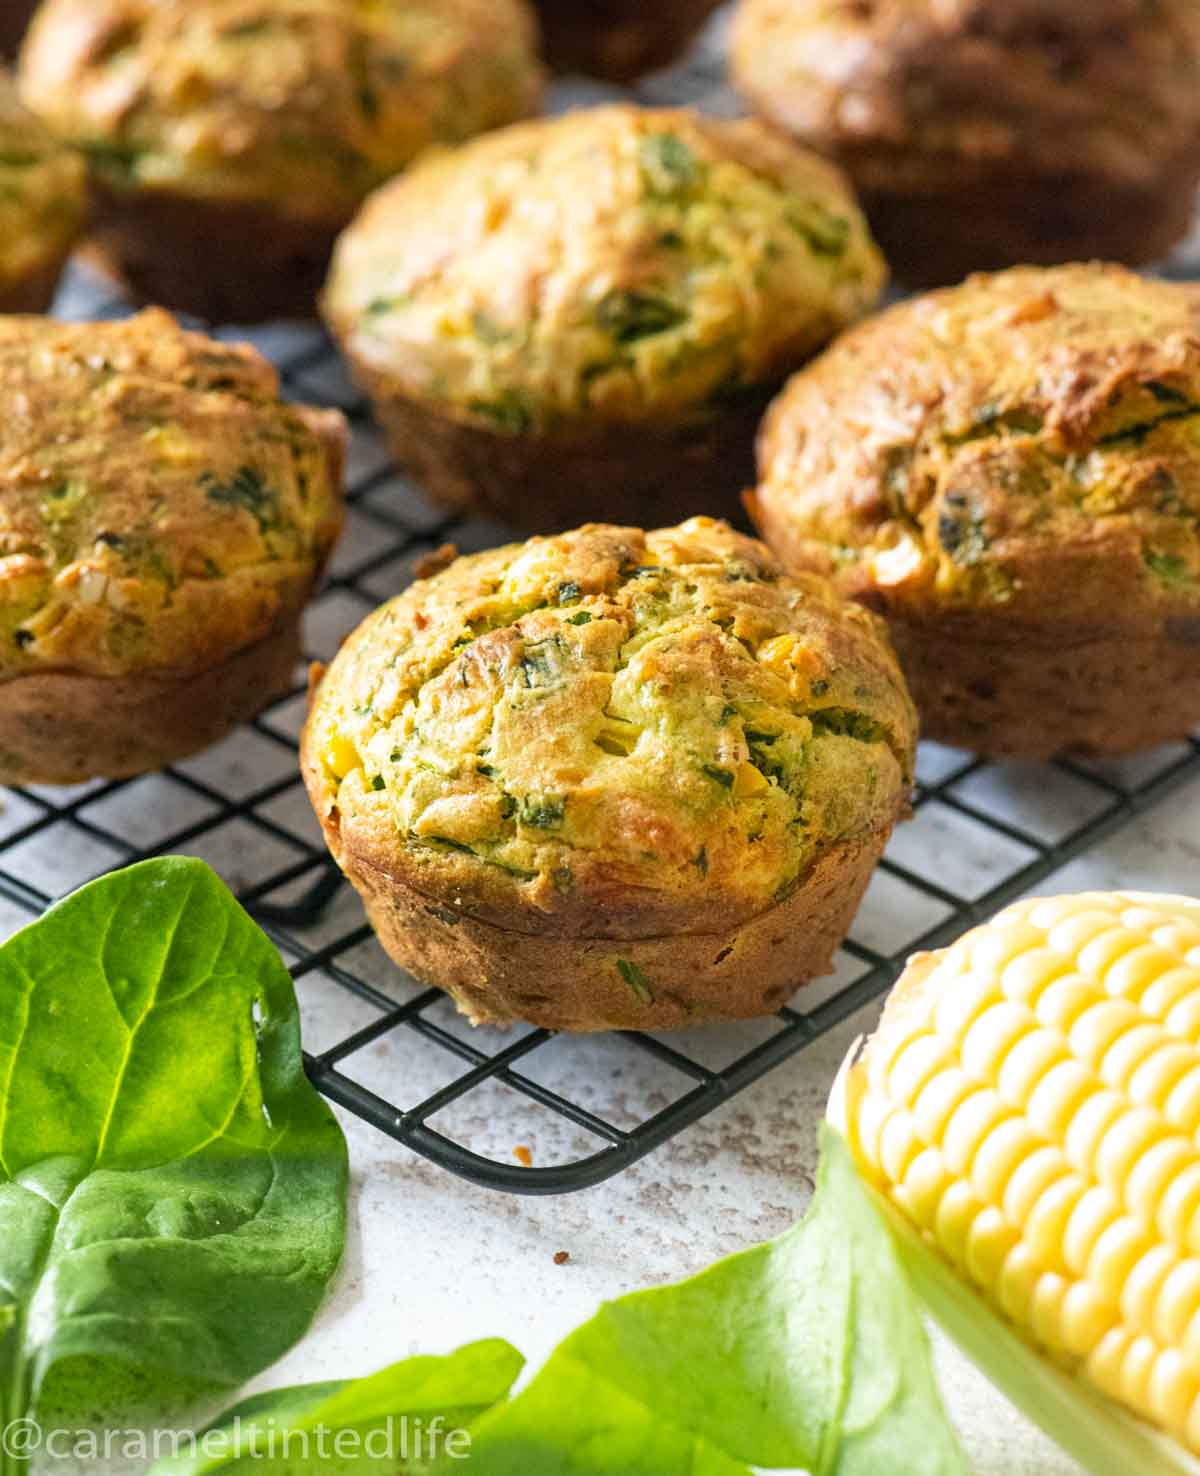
<point x="397" y="1418"/>
<point x="808" y="1352"/>
<point x="172" y="1189"/>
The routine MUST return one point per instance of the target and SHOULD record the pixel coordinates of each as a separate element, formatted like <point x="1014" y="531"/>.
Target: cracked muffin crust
<point x="163" y="518"/>
<point x="230" y="140"/>
<point x="43" y="196"/>
<point x="584" y="316"/>
<point x="612" y="778"/>
<point x="1010" y="471"/>
<point x="982" y="133"/>
<point x="619" y="39"/>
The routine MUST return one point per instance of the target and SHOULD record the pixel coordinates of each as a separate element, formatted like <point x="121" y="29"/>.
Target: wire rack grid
<point x="394" y="1053"/>
<point x="482" y="1103"/>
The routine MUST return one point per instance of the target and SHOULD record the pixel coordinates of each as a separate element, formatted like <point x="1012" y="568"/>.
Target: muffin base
<point x="650" y="476"/>
<point x="497" y="976"/>
<point x="223" y="261"/>
<point x="1042" y="698"/>
<point x="936" y="239"/>
<point x="65" y="727"/>
<point x="619" y="39"/>
<point x="33" y="293"/>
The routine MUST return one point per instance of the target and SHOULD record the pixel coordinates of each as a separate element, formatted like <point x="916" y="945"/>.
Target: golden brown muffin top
<point x="307" y="103"/>
<point x="620" y="730"/>
<point x="911" y="89"/>
<point x="1029" y="441"/>
<point x="42" y="191"/>
<point x="614" y="263"/>
<point x="160" y="506"/>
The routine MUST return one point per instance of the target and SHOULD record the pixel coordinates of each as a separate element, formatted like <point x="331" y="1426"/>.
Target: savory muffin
<point x="619" y="39"/>
<point x="1010" y="471"/>
<point x="585" y="316"/>
<point x="14" y="17"/>
<point x="43" y="195"/>
<point x="231" y="140"/>
<point x="983" y="133"/>
<point x="163" y="517"/>
<point x="612" y="778"/>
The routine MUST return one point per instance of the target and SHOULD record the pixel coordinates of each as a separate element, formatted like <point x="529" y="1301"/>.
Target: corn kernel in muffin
<point x="612" y="778"/>
<point x="1010" y="471"/>
<point x="163" y="518"/>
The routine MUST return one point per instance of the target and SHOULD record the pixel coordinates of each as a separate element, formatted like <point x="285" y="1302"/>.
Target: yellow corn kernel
<point x="898" y="1146"/>
<point x="1099" y="1026"/>
<point x="990" y="1243"/>
<point x="1064" y="1000"/>
<point x="1169" y="990"/>
<point x="749" y="781"/>
<point x="1178" y="1304"/>
<point x="1086" y="1318"/>
<point x="1136" y="970"/>
<point x="1027" y="1062"/>
<point x="1096" y="1211"/>
<point x="1155" y="1079"/>
<point x="1184" y="1018"/>
<point x="1032" y="1102"/>
<point x="959" y="1007"/>
<point x="1144" y="1284"/>
<point x="1039" y="1171"/>
<point x="967" y="1130"/>
<point x="1125" y="1056"/>
<point x="1046" y="1224"/>
<point x="953" y="1221"/>
<point x="1000" y="1156"/>
<point x="1180" y="1208"/>
<point x="1088" y="1128"/>
<point x="914" y="1066"/>
<point x="1030" y="974"/>
<point x="1098" y="956"/>
<point x="923" y="1186"/>
<point x="1182" y="1109"/>
<point x="992" y="1036"/>
<point x="341" y="756"/>
<point x="1016" y="1285"/>
<point x="1053" y="1102"/>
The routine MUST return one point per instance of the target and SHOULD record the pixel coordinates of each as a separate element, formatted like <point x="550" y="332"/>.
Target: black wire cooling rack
<point x="523" y="1111"/>
<point x="395" y="1054"/>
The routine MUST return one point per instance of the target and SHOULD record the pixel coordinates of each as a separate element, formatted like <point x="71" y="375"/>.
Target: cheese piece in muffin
<point x="231" y="140"/>
<point x="619" y="39"/>
<point x="1010" y="471"/>
<point x="43" y="194"/>
<point x="585" y="316"/>
<point x="982" y="133"/>
<point x="612" y="778"/>
<point x="163" y="518"/>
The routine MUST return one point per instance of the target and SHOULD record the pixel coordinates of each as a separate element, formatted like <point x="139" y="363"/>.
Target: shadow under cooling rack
<point x="482" y="1103"/>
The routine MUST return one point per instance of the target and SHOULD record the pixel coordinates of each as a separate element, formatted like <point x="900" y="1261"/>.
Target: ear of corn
<point x="1030" y="1110"/>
